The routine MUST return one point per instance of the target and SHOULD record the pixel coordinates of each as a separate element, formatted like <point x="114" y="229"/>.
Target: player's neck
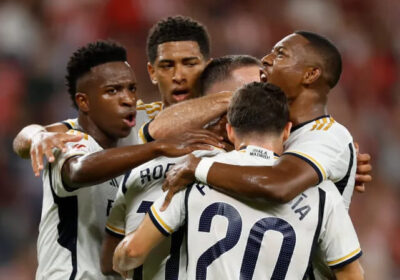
<point x="272" y="143"/>
<point x="307" y="106"/>
<point x="89" y="127"/>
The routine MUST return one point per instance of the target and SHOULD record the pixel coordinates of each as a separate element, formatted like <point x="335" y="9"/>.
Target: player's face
<point x="285" y="65"/>
<point x="112" y="98"/>
<point x="176" y="70"/>
<point x="239" y="77"/>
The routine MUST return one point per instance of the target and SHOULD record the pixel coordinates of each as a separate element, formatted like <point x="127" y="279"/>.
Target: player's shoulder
<point x="151" y="109"/>
<point x="324" y="127"/>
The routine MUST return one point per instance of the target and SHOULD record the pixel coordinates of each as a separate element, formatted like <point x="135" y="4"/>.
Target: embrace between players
<point x="264" y="195"/>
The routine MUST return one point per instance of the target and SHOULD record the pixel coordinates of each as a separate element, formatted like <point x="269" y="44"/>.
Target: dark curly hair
<point x="177" y="28"/>
<point x="258" y="107"/>
<point x="91" y="55"/>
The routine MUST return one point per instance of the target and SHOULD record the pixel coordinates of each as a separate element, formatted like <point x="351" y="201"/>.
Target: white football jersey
<point x="247" y="239"/>
<point x="72" y="222"/>
<point x="137" y="192"/>
<point x="328" y="147"/>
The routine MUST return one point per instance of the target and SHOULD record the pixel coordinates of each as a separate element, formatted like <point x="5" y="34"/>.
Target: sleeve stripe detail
<point x="67" y="124"/>
<point x="348" y="256"/>
<point x="158" y="222"/>
<point x="115" y="229"/>
<point x="112" y="233"/>
<point x="316" y="163"/>
<point x="146" y="132"/>
<point x="141" y="135"/>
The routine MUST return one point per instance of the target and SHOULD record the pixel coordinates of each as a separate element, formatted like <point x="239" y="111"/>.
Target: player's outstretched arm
<point x="101" y="166"/>
<point x="351" y="271"/>
<point x="134" y="248"/>
<point x="190" y="114"/>
<point x="282" y="182"/>
<point x="108" y="246"/>
<point x="35" y="141"/>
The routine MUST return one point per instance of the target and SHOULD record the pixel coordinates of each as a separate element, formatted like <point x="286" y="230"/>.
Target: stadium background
<point x="37" y="37"/>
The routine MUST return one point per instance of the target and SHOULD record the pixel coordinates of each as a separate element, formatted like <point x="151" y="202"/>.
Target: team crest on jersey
<point x="78" y="146"/>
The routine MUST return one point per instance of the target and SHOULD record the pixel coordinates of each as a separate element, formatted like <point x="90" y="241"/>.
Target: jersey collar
<point x="256" y="151"/>
<point x="307" y="122"/>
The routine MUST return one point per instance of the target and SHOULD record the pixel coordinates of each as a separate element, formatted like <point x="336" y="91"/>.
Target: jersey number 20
<point x="254" y="241"/>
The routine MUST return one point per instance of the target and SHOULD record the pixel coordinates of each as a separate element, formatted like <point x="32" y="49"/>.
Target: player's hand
<point x="199" y="139"/>
<point x="179" y="177"/>
<point x="364" y="168"/>
<point x="43" y="144"/>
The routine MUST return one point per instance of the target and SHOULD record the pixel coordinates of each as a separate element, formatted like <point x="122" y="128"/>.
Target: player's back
<point x="239" y="239"/>
<point x="228" y="238"/>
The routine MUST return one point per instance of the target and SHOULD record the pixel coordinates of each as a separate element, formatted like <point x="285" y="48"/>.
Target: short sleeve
<point x="328" y="156"/>
<point x="74" y="149"/>
<point x="338" y="240"/>
<point x="144" y="134"/>
<point x="171" y="219"/>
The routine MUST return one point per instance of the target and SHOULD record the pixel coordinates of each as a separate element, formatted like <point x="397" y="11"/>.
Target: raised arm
<point x="35" y="141"/>
<point x="190" y="114"/>
<point x="104" y="165"/>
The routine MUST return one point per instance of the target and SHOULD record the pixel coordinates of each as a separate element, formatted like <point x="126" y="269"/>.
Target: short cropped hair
<point x="258" y="107"/>
<point x="330" y="55"/>
<point x="220" y="69"/>
<point x="177" y="28"/>
<point x="89" y="56"/>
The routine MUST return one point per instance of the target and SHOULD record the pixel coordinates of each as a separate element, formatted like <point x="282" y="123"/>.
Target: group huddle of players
<point x="239" y="172"/>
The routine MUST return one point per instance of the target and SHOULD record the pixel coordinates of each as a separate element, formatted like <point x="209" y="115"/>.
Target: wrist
<point x="202" y="169"/>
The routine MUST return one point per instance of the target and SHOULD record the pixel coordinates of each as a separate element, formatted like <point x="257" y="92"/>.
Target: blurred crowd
<point x="38" y="36"/>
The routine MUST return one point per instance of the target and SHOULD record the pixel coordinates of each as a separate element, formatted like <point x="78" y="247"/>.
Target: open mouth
<point x="180" y="95"/>
<point x="130" y="119"/>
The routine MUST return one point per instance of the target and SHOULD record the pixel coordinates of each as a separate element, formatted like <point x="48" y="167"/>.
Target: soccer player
<point x="142" y="185"/>
<point x="306" y="66"/>
<point x="103" y="86"/>
<point x="178" y="50"/>
<point x="232" y="238"/>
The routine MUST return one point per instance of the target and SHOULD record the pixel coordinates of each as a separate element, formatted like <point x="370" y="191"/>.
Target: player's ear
<point x="82" y="101"/>
<point x="152" y="73"/>
<point x="231" y="133"/>
<point x="286" y="131"/>
<point x="311" y="75"/>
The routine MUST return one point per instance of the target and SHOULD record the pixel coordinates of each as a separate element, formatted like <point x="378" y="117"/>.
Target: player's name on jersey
<point x="155" y="172"/>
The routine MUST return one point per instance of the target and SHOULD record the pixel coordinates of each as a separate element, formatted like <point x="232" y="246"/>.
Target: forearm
<point x="101" y="166"/>
<point x="107" y="250"/>
<point x="22" y="142"/>
<point x="191" y="114"/>
<point x="281" y="182"/>
<point x="351" y="271"/>
<point x="124" y="259"/>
